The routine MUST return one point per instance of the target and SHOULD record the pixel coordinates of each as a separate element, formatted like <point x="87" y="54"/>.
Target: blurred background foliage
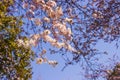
<point x="15" y="60"/>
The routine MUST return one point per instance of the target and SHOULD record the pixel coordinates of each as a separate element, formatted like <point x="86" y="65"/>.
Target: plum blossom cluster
<point x="58" y="35"/>
<point x="45" y="60"/>
<point x="46" y="36"/>
<point x="42" y="59"/>
<point x="61" y="33"/>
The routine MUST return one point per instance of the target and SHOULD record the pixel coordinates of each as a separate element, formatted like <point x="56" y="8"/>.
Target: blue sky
<point x="74" y="72"/>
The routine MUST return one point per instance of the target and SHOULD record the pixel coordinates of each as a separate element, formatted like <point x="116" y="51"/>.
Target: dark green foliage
<point x="14" y="60"/>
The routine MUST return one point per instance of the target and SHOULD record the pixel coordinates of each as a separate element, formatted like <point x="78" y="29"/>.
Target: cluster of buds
<point x="44" y="60"/>
<point x="69" y="20"/>
<point x="52" y="62"/>
<point x="34" y="39"/>
<point x="63" y="30"/>
<point x="46" y="36"/>
<point x="54" y="14"/>
<point x="37" y="22"/>
<point x="48" y="7"/>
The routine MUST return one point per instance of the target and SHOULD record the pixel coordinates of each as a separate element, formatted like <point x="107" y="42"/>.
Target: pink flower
<point x="68" y="20"/>
<point x="95" y="15"/>
<point x="39" y="1"/>
<point x="59" y="45"/>
<point x="51" y="13"/>
<point x="46" y="32"/>
<point x="32" y="7"/>
<point x="37" y="22"/>
<point x="59" y="12"/>
<point x="69" y="47"/>
<point x="53" y="63"/>
<point x="35" y="36"/>
<point x="46" y="19"/>
<point x="49" y="39"/>
<point x="25" y="5"/>
<point x="39" y="60"/>
<point x="33" y="42"/>
<point x="69" y="31"/>
<point x="51" y="3"/>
